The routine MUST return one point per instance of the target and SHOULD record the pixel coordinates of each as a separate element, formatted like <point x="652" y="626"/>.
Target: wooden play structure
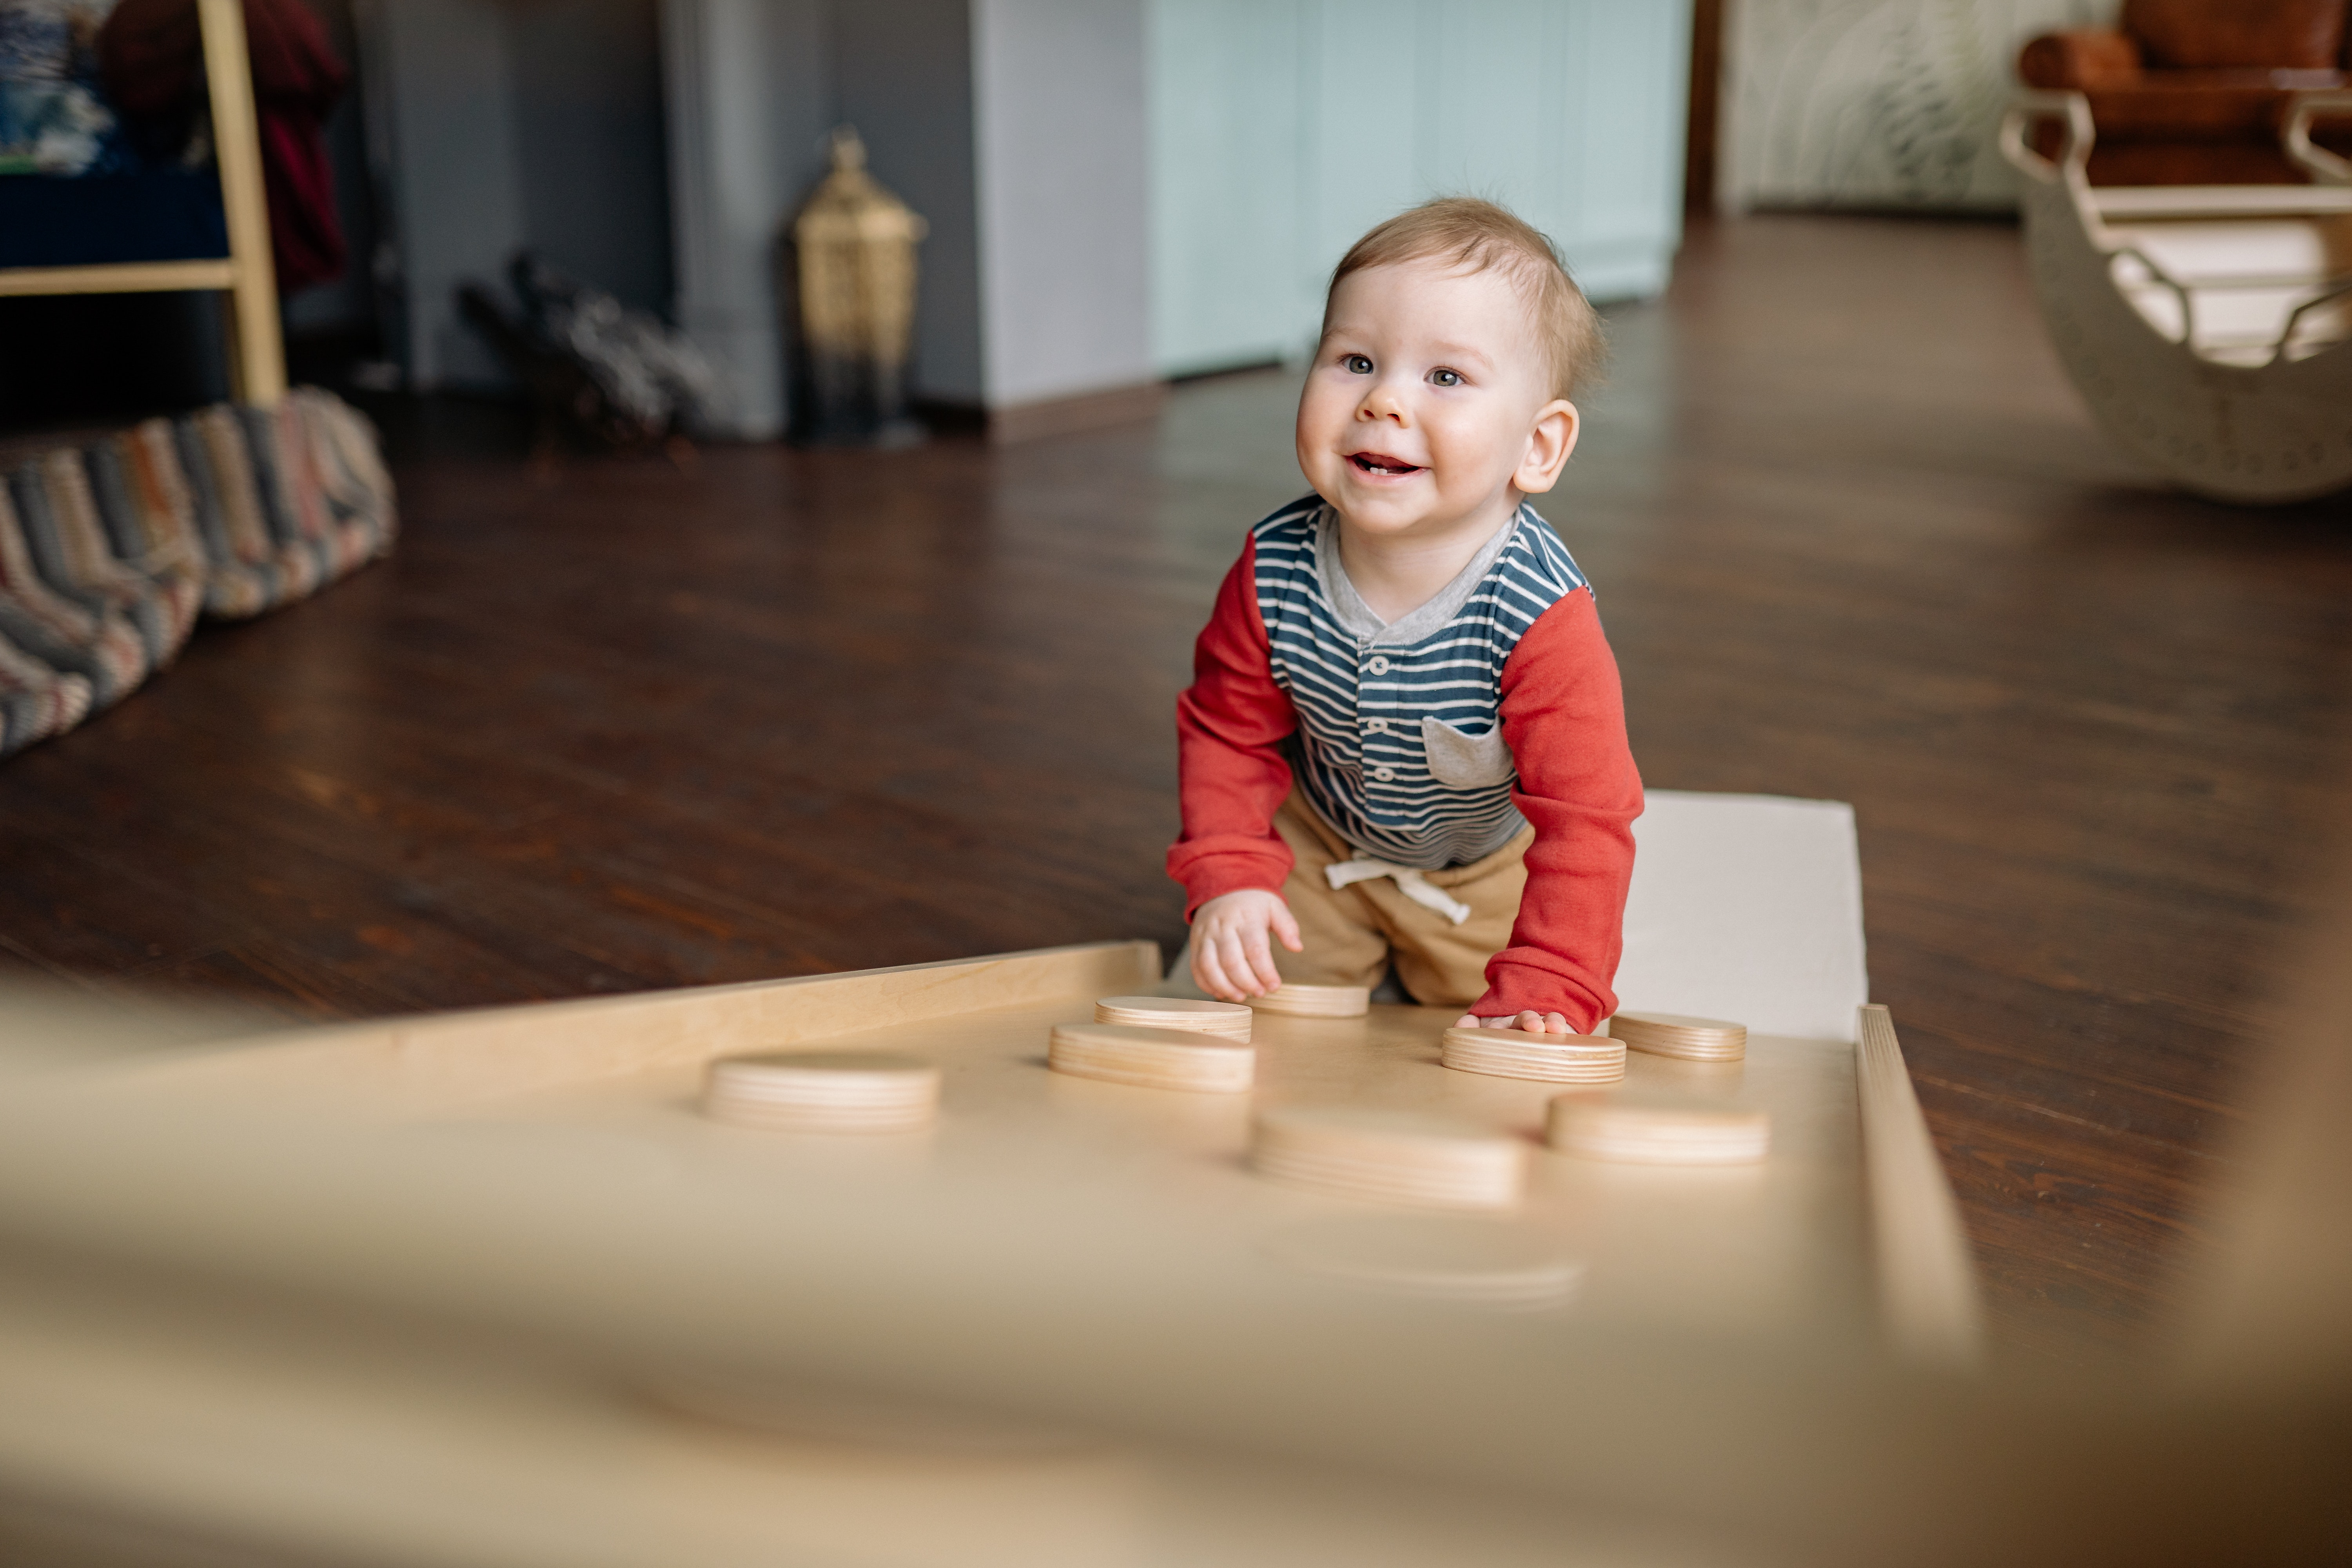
<point x="536" y="1287"/>
<point x="2209" y="327"/>
<point x="246" y="278"/>
<point x="772" y="1345"/>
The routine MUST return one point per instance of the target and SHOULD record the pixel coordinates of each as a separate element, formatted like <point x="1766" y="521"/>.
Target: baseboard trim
<point x="1101" y="410"/>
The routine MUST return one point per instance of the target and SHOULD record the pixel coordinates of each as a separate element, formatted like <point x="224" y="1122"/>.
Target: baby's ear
<point x="1549" y="445"/>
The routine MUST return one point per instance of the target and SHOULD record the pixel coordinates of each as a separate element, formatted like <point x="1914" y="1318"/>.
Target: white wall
<point x="493" y="126"/>
<point x="746" y="94"/>
<point x="1063" y="169"/>
<point x="1875" y="104"/>
<point x="1116" y="189"/>
<point x="1014" y="127"/>
<point x="1284" y="128"/>
<point x="442" y="135"/>
<point x="587" y="86"/>
<point x="902" y="74"/>
<point x="1230" y="188"/>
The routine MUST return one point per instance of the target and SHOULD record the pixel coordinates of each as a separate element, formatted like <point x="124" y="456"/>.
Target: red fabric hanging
<point x="151" y="53"/>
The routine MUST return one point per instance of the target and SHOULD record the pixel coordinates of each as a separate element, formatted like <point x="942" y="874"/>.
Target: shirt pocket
<point x="1461" y="761"/>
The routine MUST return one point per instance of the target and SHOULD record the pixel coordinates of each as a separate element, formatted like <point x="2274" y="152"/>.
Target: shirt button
<point x="1377" y="726"/>
<point x="1379" y="665"/>
<point x="1384" y="774"/>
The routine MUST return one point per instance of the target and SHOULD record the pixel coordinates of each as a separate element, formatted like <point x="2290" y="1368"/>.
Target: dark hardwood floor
<point x="1853" y="538"/>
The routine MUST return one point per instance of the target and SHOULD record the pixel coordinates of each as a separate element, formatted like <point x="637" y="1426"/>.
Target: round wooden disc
<point x="1515" y="1053"/>
<point x="1152" y="1058"/>
<point x="1680" y="1035"/>
<point x="1229" y="1018"/>
<point x="1315" y="1001"/>
<point x="1389" y="1155"/>
<point x="1659" y="1129"/>
<point x="870" y="1091"/>
<point x="1484" y="1262"/>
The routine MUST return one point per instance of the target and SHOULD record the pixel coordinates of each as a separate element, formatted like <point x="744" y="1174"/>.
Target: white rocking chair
<point x="2209" y="327"/>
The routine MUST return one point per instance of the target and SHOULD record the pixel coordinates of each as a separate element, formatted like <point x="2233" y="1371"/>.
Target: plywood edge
<point x="464" y="1058"/>
<point x="1928" y="1301"/>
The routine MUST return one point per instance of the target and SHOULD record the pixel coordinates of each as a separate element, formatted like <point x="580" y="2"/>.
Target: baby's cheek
<point x="1474" y="445"/>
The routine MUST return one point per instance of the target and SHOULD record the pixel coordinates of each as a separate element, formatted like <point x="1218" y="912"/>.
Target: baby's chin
<point x="1384" y="508"/>
<point x="1416" y="505"/>
<point x="1384" y="515"/>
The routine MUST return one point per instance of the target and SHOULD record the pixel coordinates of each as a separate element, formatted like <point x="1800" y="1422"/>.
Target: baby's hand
<point x="1534" y="1022"/>
<point x="1230" y="955"/>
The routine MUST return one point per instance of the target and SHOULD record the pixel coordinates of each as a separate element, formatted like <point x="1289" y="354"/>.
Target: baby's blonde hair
<point x="1467" y="231"/>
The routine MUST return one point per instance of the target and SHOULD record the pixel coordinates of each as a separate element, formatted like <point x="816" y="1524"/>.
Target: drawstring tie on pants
<point x="1410" y="882"/>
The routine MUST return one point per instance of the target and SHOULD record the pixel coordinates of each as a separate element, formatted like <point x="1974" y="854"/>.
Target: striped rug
<point x="110" y="548"/>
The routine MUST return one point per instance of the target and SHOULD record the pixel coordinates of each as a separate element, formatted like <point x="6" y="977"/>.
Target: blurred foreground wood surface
<point x="784" y="712"/>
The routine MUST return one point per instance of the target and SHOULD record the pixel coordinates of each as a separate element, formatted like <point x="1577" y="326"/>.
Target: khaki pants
<point x="1351" y="933"/>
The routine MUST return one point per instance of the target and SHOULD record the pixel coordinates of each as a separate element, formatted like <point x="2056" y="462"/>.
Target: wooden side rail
<point x="441" y="1059"/>
<point x="1927" y="1288"/>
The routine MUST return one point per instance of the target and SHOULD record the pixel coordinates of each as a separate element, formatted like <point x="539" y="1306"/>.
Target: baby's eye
<point x="1360" y="364"/>
<point x="1446" y="377"/>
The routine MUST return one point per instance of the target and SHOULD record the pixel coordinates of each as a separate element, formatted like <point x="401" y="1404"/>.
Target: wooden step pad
<point x="1317" y="1001"/>
<point x="824" y="1091"/>
<point x="1678" y="1035"/>
<point x="1230" y="1019"/>
<point x="1390" y="1156"/>
<point x="1152" y="1058"/>
<point x="1659" y="1129"/>
<point x="1515" y="1053"/>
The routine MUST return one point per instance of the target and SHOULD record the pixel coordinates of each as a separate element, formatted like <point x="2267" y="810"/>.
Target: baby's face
<point x="1420" y="412"/>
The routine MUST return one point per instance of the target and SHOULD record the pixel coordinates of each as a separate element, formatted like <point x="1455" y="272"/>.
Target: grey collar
<point x="1356" y="618"/>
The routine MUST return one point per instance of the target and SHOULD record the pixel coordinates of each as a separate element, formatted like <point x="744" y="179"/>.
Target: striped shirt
<point x="1424" y="741"/>
<point x="1400" y="742"/>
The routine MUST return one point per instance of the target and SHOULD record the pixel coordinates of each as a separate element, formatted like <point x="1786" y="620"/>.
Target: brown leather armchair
<point x="2195" y="92"/>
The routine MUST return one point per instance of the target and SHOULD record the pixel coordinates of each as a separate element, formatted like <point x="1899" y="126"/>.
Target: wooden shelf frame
<point x="246" y="277"/>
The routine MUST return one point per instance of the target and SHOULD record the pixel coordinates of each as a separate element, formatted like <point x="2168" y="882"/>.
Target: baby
<point x="1404" y="739"/>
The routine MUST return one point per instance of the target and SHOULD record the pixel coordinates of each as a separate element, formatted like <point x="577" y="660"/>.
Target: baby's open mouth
<point x="1382" y="463"/>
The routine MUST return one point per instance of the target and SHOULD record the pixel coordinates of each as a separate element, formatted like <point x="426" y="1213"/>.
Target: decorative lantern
<point x="855" y="248"/>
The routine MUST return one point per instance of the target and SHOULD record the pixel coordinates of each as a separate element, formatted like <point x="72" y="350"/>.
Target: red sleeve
<point x="1564" y="720"/>
<point x="1231" y="775"/>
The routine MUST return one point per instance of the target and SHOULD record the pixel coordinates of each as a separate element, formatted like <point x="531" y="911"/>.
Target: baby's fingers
<point x="1207" y="972"/>
<point x="1234" y="956"/>
<point x="1260" y="962"/>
